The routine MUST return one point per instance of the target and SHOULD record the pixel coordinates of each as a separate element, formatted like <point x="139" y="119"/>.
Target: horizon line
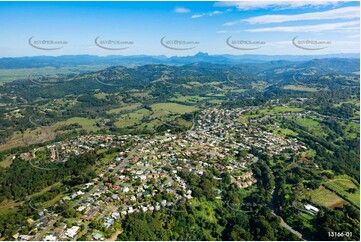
<point x="168" y="57"/>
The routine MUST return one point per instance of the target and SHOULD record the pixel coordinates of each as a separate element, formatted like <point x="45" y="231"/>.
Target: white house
<point x="309" y="207"/>
<point x="72" y="231"/>
<point x="50" y="238"/>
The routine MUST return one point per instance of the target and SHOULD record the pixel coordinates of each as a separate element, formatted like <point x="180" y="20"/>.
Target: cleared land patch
<point x="344" y="188"/>
<point x="121" y="109"/>
<point x="300" y="88"/>
<point x="188" y="99"/>
<point x="325" y="197"/>
<point x="6" y="162"/>
<point x="173" y="108"/>
<point x="87" y="124"/>
<point x="307" y="122"/>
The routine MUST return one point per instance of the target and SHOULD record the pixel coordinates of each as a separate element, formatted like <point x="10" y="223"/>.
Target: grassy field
<point x="173" y="108"/>
<point x="45" y="133"/>
<point x="341" y="186"/>
<point x="6" y="162"/>
<point x="307" y="122"/>
<point x="131" y="119"/>
<point x="286" y="109"/>
<point x="100" y="95"/>
<point x="121" y="109"/>
<point x="87" y="124"/>
<point x="300" y="88"/>
<point x="280" y="109"/>
<point x="8" y="206"/>
<point x="285" y="132"/>
<point x="183" y="122"/>
<point x="325" y="197"/>
<point x="29" y="137"/>
<point x="150" y="125"/>
<point x="188" y="99"/>
<point x="167" y="112"/>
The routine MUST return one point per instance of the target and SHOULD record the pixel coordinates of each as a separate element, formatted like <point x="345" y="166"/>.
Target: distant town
<point x="145" y="177"/>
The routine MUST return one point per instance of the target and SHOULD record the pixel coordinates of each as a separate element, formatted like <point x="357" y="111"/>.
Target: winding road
<point x="283" y="223"/>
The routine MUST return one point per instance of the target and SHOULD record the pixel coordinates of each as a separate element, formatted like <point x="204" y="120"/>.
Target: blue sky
<point x="204" y="25"/>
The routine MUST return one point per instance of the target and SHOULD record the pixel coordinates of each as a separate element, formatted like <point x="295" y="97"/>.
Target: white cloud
<point x="249" y="5"/>
<point x="344" y="26"/>
<point x="207" y="14"/>
<point x="228" y="31"/>
<point x="232" y="23"/>
<point x="181" y="10"/>
<point x="215" y="13"/>
<point x="197" y="15"/>
<point x="340" y="13"/>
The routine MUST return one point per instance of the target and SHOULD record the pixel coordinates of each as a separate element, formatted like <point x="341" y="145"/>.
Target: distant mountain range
<point x="74" y="60"/>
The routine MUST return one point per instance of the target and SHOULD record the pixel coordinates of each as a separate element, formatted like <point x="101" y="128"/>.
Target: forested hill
<point x="112" y="60"/>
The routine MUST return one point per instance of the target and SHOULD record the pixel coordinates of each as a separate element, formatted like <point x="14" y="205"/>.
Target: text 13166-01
<point x="339" y="234"/>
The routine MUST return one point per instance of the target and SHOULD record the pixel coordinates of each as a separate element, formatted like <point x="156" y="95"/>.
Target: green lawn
<point x="205" y="210"/>
<point x="173" y="108"/>
<point x="87" y="124"/>
<point x="285" y="132"/>
<point x="131" y="119"/>
<point x="325" y="197"/>
<point x="341" y="186"/>
<point x="284" y="109"/>
<point x="280" y="109"/>
<point x="188" y="99"/>
<point x="300" y="88"/>
<point x="307" y="122"/>
<point x="6" y="162"/>
<point x="121" y="109"/>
